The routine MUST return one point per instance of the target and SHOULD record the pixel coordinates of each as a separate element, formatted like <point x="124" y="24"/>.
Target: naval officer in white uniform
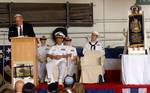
<point x="58" y="55"/>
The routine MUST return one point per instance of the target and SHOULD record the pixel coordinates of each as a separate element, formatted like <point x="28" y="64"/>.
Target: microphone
<point x="11" y="31"/>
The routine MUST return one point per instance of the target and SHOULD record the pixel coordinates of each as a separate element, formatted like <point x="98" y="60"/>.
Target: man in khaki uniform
<point x="42" y="52"/>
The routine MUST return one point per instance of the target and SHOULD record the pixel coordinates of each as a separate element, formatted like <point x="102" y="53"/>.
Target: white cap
<point x="59" y="34"/>
<point x="69" y="80"/>
<point x="18" y="15"/>
<point x="95" y="32"/>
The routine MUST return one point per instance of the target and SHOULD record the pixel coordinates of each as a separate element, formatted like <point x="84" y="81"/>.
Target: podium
<point x="24" y="59"/>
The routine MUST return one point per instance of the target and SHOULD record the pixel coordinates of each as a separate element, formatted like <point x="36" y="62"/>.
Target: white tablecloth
<point x="135" y="69"/>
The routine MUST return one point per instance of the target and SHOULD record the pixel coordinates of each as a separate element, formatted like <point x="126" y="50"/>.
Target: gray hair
<point x="17" y="15"/>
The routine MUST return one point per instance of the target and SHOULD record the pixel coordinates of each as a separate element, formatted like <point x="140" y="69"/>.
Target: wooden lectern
<point x="24" y="51"/>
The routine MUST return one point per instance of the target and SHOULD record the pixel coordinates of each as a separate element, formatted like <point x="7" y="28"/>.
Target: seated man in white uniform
<point x="94" y="45"/>
<point x="42" y="52"/>
<point x="58" y="55"/>
<point x="72" y="69"/>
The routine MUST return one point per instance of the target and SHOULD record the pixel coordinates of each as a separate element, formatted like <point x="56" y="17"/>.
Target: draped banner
<point x="5" y="63"/>
<point x="116" y="88"/>
<point x="136" y="30"/>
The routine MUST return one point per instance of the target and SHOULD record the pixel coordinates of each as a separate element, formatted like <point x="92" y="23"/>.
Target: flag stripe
<point x="126" y="90"/>
<point x="134" y="90"/>
<point x="142" y="90"/>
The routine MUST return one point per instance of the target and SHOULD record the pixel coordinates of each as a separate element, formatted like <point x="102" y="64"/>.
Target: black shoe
<point x="74" y="77"/>
<point x="101" y="79"/>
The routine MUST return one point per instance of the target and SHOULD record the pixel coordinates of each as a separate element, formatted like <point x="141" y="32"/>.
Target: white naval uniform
<point x="60" y="63"/>
<point x="94" y="46"/>
<point x="98" y="46"/>
<point x="72" y="69"/>
<point x="42" y="52"/>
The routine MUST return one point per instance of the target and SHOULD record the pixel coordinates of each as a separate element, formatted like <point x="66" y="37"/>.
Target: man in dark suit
<point x="20" y="28"/>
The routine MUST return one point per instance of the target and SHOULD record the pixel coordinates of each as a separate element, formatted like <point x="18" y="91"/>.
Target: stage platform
<point x="113" y="85"/>
<point x="107" y="88"/>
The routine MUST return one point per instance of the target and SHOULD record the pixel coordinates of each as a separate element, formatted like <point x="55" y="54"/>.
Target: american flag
<point x="5" y="63"/>
<point x="134" y="90"/>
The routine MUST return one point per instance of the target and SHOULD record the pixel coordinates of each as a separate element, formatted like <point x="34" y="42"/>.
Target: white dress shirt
<point x="20" y="28"/>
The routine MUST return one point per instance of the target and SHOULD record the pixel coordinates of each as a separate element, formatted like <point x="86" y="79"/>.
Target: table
<point x="135" y="69"/>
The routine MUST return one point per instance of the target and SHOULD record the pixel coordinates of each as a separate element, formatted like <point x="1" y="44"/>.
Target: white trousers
<point x="71" y="68"/>
<point x="56" y="70"/>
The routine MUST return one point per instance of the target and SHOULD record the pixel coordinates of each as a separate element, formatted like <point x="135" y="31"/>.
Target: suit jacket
<point x="27" y="31"/>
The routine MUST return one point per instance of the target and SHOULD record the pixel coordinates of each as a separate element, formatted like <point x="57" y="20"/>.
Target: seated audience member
<point x="29" y="88"/>
<point x="42" y="52"/>
<point x="94" y="44"/>
<point x="72" y="59"/>
<point x="19" y="86"/>
<point x="52" y="88"/>
<point x="68" y="83"/>
<point x="62" y="91"/>
<point x="7" y="88"/>
<point x="78" y="88"/>
<point x="58" y="55"/>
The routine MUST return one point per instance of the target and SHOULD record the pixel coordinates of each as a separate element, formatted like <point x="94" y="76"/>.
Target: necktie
<point x="21" y="31"/>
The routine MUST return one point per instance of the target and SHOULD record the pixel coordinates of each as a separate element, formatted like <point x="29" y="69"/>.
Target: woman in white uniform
<point x="72" y="69"/>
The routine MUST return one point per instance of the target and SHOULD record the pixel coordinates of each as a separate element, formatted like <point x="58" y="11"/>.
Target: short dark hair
<point x="29" y="88"/>
<point x="52" y="88"/>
